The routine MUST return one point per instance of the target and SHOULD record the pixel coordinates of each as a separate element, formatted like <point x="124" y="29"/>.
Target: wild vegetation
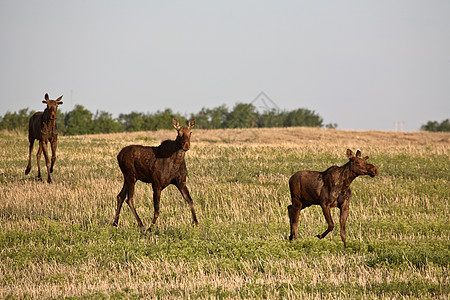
<point x="57" y="241"/>
<point x="436" y="126"/>
<point x="81" y="121"/>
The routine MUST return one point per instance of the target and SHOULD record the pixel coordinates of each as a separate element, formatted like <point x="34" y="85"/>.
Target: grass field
<point x="56" y="240"/>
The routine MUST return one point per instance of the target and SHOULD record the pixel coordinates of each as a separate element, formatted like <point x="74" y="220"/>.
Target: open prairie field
<point x="56" y="240"/>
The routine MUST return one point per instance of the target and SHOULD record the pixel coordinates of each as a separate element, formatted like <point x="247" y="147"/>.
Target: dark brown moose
<point x="328" y="189"/>
<point x="42" y="127"/>
<point x="160" y="166"/>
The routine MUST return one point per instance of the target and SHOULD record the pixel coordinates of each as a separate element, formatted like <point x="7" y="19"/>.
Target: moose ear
<point x="46" y="97"/>
<point x="191" y="123"/>
<point x="349" y="153"/>
<point x="44" y="101"/>
<point x="59" y="100"/>
<point x="366" y="158"/>
<point x="358" y="153"/>
<point x="176" y="124"/>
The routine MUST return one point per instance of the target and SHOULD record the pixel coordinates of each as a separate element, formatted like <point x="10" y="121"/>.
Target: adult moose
<point x="160" y="166"/>
<point x="42" y="127"/>
<point x="328" y="189"/>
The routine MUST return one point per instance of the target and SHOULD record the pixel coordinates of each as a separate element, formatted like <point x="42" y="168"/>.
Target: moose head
<point x="184" y="133"/>
<point x="359" y="165"/>
<point x="52" y="105"/>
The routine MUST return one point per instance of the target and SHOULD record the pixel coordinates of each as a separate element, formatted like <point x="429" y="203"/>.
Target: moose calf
<point x="160" y="166"/>
<point x="42" y="127"/>
<point x="328" y="189"/>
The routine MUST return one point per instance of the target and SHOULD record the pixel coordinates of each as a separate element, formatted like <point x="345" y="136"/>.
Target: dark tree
<point x="104" y="123"/>
<point x="243" y="116"/>
<point x="16" y="120"/>
<point x="79" y="121"/>
<point x="435" y="126"/>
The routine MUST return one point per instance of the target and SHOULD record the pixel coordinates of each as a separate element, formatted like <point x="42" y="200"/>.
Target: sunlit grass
<point x="56" y="240"/>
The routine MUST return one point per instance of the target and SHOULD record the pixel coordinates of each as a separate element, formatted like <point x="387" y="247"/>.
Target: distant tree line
<point x="436" y="126"/>
<point x="82" y="121"/>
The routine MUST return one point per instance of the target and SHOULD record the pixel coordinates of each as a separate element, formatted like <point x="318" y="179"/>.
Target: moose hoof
<point x="27" y="171"/>
<point x="319" y="236"/>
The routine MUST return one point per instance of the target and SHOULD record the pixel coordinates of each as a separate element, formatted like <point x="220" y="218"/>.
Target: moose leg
<point x="53" y="143"/>
<point x="130" y="185"/>
<point x="327" y="214"/>
<point x="185" y="192"/>
<point x="38" y="158"/>
<point x="294" y="214"/>
<point x="120" y="197"/>
<point x="27" y="171"/>
<point x="156" y="198"/>
<point x="47" y="161"/>
<point x="343" y="218"/>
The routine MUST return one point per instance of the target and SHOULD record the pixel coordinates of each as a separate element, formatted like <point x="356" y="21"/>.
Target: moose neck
<point x="347" y="175"/>
<point x="168" y="148"/>
<point x="46" y="118"/>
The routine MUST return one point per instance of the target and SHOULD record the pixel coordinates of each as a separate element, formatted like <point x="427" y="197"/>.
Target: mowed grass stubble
<point x="57" y="240"/>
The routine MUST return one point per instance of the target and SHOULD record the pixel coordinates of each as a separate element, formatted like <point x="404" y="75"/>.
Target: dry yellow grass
<point x="57" y="242"/>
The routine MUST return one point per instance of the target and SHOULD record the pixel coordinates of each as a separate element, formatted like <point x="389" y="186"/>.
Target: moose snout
<point x="373" y="171"/>
<point x="186" y="146"/>
<point x="52" y="115"/>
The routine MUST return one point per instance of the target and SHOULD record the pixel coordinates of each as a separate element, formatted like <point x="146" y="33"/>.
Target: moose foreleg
<point x="53" y="143"/>
<point x="327" y="214"/>
<point x="47" y="161"/>
<point x="185" y="192"/>
<point x="38" y="158"/>
<point x="27" y="171"/>
<point x="156" y="198"/>
<point x="343" y="218"/>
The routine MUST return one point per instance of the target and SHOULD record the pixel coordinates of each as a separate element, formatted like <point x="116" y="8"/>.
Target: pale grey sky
<point x="360" y="64"/>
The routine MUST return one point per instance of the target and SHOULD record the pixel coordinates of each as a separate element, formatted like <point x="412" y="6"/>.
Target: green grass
<point x="56" y="240"/>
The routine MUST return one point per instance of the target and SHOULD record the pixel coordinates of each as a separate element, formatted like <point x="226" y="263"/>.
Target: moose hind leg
<point x="294" y="214"/>
<point x="130" y="202"/>
<point x="120" y="198"/>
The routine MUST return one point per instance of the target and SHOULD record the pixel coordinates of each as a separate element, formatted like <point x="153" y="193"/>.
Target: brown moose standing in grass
<point x="328" y="189"/>
<point x="160" y="166"/>
<point x="42" y="127"/>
